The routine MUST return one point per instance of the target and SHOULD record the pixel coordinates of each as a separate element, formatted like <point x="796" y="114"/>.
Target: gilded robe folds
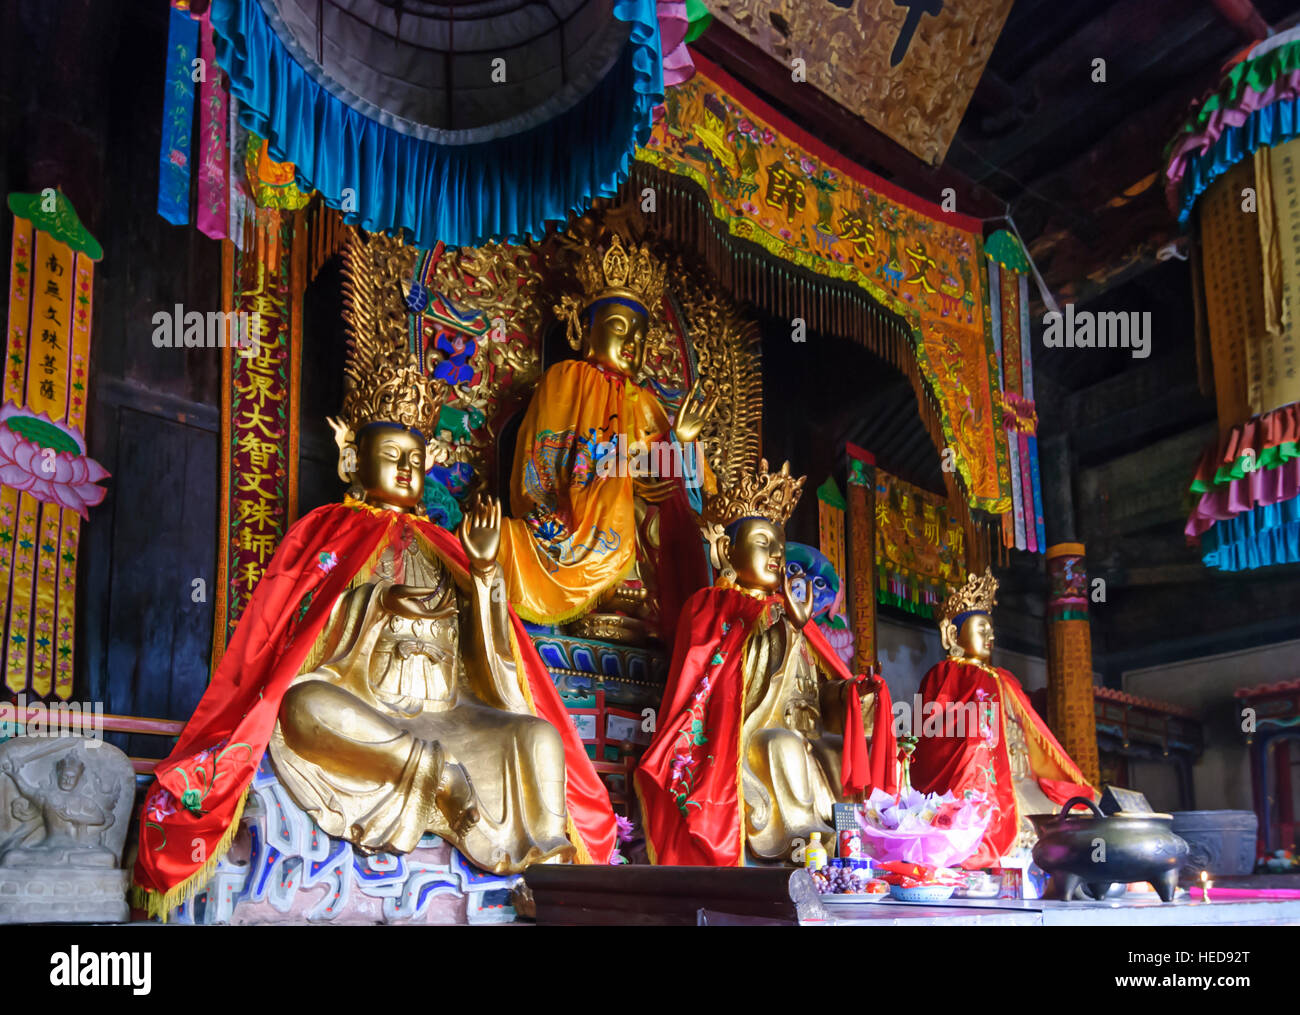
<point x="411" y="686"/>
<point x="192" y="811"/>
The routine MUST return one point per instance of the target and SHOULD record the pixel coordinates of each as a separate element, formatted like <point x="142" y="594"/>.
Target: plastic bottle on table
<point x="814" y="854"/>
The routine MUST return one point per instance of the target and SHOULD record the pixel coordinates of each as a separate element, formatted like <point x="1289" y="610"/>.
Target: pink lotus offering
<point x="939" y="830"/>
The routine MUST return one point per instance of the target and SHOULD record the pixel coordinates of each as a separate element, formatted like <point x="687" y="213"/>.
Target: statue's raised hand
<point x="799" y="609"/>
<point x="697" y="407"/>
<point x="480" y="532"/>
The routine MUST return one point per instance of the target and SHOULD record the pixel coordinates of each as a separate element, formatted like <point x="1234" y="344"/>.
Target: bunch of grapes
<point x="838" y="881"/>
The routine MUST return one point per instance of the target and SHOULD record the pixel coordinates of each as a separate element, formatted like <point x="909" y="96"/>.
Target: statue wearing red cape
<point x="192" y="812"/>
<point x="762" y="726"/>
<point x="990" y="740"/>
<point x="379" y="663"/>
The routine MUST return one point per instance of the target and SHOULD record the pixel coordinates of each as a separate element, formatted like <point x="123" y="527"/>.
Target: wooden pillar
<point x="1070" y="711"/>
<point x="862" y="555"/>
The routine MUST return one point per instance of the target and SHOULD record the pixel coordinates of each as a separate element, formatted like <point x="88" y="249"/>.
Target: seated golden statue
<point x="755" y="691"/>
<point x="1008" y="755"/>
<point x="413" y="721"/>
<point x="600" y="472"/>
<point x="380" y="663"/>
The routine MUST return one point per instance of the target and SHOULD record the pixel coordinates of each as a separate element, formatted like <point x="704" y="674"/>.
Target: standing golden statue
<point x="1008" y="754"/>
<point x="763" y="728"/>
<point x="379" y="662"/>
<point x="600" y="472"/>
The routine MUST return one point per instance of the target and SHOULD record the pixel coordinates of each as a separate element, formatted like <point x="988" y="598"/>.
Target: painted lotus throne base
<point x="282" y="869"/>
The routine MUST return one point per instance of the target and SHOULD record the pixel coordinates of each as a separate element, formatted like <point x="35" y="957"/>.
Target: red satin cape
<point x="689" y="779"/>
<point x="967" y="763"/>
<point x="221" y="746"/>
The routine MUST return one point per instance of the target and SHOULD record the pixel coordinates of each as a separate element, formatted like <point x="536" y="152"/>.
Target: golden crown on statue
<point x="629" y="272"/>
<point x="632" y="272"/>
<point x="977" y="595"/>
<point x="386" y="386"/>
<point x="765" y="494"/>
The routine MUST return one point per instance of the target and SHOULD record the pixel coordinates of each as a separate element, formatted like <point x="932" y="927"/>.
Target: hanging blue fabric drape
<point x="389" y="174"/>
<point x="1267" y="534"/>
<point x="1265" y="128"/>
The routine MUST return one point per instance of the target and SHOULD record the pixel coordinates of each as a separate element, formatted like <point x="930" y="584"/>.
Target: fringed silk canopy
<point x="454" y="122"/>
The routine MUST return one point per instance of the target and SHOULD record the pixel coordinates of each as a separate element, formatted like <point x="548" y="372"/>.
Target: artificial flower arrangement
<point x="936" y="830"/>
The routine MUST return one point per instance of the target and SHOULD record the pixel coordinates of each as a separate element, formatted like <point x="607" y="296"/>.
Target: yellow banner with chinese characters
<point x="773" y="185"/>
<point x="47" y="482"/>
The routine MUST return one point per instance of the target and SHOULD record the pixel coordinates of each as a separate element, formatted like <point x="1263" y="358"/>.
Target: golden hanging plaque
<point x="908" y="67"/>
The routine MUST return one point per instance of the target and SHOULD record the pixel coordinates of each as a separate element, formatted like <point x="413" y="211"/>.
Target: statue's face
<point x="757" y="555"/>
<point x="615" y="337"/>
<point x="69" y="776"/>
<point x="976" y="638"/>
<point x="390" y="466"/>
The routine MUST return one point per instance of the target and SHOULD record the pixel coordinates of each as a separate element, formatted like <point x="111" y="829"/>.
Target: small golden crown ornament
<point x="978" y="595"/>
<point x="630" y="273"/>
<point x="765" y="494"/>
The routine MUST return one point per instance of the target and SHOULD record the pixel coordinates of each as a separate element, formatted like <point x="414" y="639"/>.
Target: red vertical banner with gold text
<point x="47" y="482"/>
<point x="259" y="415"/>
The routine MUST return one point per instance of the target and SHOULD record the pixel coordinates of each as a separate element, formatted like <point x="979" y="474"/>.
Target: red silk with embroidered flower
<point x="192" y="809"/>
<point x="689" y="779"/>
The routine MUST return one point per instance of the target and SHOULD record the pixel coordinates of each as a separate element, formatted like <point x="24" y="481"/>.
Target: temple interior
<point x="961" y="339"/>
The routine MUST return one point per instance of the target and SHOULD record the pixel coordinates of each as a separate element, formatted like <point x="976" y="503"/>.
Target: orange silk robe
<point x="574" y="534"/>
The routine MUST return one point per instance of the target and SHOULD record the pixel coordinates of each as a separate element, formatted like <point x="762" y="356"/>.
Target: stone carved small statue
<point x="64" y="809"/>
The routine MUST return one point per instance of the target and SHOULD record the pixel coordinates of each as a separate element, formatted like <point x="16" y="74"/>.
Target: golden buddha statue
<point x="1011" y="757"/>
<point x="600" y="472"/>
<point x="380" y="664"/>
<point x="756" y="696"/>
<point x="412" y="720"/>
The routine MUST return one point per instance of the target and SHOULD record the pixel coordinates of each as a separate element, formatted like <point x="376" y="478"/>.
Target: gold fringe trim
<point x="159" y="905"/>
<point x="1031" y="730"/>
<point x="575" y="837"/>
<point x="581" y="610"/>
<point x="845" y="303"/>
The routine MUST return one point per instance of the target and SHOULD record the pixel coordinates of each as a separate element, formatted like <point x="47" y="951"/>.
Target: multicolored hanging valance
<point x="770" y="184"/>
<point x="920" y="546"/>
<point x="47" y="482"/>
<point x="1008" y="290"/>
<point x="1244" y="483"/>
<point x="484" y="126"/>
<point x="1256" y="104"/>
